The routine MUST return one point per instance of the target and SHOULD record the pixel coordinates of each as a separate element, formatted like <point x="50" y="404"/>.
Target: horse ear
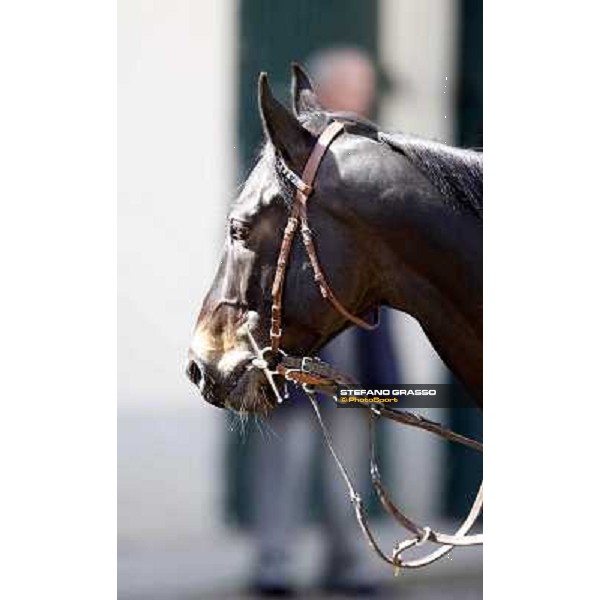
<point x="282" y="128"/>
<point x="304" y="98"/>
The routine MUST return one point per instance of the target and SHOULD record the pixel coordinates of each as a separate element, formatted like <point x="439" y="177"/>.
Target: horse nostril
<point x="194" y="372"/>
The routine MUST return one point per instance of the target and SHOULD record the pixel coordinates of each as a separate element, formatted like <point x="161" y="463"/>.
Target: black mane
<point x="457" y="173"/>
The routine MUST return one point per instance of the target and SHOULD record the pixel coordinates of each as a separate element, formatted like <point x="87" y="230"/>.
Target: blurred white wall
<point x="176" y="78"/>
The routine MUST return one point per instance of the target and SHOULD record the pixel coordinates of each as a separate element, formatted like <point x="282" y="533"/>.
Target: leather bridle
<point x="298" y="216"/>
<point x="314" y="375"/>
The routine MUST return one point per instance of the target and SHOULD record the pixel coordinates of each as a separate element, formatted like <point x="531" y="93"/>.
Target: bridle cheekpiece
<point x="298" y="216"/>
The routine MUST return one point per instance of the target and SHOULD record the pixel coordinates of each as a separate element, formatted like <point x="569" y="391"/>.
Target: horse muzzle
<point x="204" y="382"/>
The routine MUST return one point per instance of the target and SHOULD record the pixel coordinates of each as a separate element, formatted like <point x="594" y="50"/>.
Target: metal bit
<point x="260" y="363"/>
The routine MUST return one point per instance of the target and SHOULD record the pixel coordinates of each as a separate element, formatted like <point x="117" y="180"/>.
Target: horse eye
<point x="238" y="230"/>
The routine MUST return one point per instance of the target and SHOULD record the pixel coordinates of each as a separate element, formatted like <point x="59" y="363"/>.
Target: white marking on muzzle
<point x="230" y="360"/>
<point x="227" y="350"/>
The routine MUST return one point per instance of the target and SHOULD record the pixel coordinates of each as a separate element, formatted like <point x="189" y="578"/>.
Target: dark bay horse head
<point x="357" y="183"/>
<point x="240" y="295"/>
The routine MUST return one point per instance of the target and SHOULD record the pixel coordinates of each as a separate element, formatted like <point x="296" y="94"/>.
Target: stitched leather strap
<point x="304" y="188"/>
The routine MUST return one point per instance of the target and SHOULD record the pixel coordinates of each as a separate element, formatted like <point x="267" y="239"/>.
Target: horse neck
<point x="430" y="265"/>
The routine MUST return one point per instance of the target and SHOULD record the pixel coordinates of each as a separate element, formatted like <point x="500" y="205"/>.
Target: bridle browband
<point x="313" y="375"/>
<point x="298" y="216"/>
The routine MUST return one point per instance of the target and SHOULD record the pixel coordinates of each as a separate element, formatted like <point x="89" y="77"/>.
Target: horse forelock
<point x="264" y="183"/>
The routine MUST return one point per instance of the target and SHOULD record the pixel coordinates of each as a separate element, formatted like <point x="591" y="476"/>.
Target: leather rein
<point x="313" y="375"/>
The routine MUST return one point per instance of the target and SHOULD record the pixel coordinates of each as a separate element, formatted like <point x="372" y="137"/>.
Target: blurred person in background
<point x="345" y="80"/>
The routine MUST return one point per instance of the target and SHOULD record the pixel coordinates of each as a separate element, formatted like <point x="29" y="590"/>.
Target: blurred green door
<point x="274" y="33"/>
